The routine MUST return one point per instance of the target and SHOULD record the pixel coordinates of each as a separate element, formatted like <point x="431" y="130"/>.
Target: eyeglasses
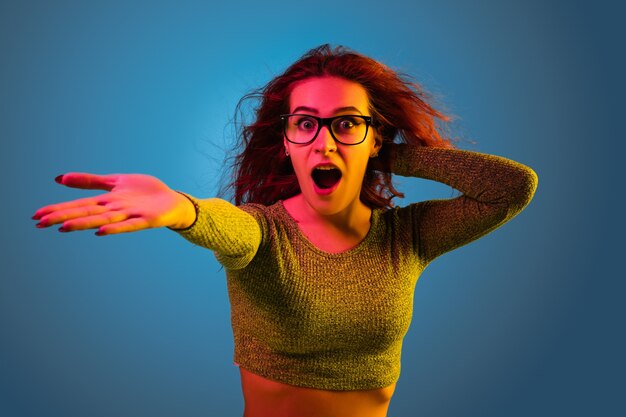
<point x="302" y="129"/>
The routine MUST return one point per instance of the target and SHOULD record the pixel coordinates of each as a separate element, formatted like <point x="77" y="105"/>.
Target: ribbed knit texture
<point x="305" y="317"/>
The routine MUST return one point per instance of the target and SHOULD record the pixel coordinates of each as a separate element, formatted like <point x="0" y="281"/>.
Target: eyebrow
<point x="337" y="110"/>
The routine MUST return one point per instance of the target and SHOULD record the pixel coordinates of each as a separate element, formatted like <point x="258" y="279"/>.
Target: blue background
<point x="527" y="321"/>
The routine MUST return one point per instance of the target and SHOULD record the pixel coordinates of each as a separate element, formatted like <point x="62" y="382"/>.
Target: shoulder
<point x="400" y="221"/>
<point x="401" y="215"/>
<point x="253" y="209"/>
<point x="266" y="216"/>
<point x="260" y="210"/>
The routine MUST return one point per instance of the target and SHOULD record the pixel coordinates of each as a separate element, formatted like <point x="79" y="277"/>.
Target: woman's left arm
<point x="494" y="190"/>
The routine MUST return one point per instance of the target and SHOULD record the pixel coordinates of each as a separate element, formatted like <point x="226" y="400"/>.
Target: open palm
<point x="132" y="202"/>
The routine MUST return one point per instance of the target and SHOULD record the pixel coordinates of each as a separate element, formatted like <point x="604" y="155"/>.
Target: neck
<point x="353" y="220"/>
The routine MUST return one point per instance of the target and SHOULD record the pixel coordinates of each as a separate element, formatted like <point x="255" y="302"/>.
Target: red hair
<point x="400" y="110"/>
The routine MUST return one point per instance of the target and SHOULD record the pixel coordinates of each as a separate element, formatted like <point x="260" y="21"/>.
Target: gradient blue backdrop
<point x="525" y="322"/>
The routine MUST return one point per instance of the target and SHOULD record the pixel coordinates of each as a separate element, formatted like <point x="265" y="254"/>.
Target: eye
<point x="347" y="123"/>
<point x="306" y="123"/>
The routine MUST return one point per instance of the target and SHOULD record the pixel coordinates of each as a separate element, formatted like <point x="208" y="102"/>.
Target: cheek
<point x="299" y="164"/>
<point x="356" y="169"/>
<point x="358" y="160"/>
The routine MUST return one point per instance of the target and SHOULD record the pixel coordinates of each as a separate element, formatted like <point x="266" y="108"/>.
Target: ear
<point x="286" y="145"/>
<point x="378" y="143"/>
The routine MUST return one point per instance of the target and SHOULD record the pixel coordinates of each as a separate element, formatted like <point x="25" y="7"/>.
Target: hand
<point x="133" y="202"/>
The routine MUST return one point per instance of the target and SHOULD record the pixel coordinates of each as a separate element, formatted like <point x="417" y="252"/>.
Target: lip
<point x="325" y="164"/>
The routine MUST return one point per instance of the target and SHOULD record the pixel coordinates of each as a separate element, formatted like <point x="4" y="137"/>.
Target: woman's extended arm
<point x="495" y="189"/>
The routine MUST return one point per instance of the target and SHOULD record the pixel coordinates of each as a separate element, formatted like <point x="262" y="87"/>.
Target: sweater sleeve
<point x="233" y="234"/>
<point x="494" y="190"/>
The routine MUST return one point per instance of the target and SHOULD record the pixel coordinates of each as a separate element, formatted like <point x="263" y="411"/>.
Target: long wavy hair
<point x="399" y="106"/>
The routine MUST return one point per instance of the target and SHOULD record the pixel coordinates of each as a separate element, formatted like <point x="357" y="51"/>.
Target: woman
<point x="321" y="267"/>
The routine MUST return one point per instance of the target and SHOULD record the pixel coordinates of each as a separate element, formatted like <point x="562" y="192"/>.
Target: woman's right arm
<point x="136" y="202"/>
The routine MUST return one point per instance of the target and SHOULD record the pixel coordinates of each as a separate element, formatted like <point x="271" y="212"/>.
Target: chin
<point x="328" y="205"/>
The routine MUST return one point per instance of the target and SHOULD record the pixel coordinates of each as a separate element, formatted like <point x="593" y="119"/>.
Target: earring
<point x="286" y="151"/>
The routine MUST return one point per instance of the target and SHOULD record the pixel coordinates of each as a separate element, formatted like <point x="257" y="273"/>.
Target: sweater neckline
<point x="292" y="224"/>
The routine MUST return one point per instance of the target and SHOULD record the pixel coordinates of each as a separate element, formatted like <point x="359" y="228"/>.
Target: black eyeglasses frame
<point x="326" y="121"/>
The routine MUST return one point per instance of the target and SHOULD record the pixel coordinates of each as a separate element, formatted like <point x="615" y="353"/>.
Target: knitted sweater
<point x="336" y="321"/>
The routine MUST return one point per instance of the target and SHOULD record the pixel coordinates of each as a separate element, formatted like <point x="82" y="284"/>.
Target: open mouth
<point x="326" y="176"/>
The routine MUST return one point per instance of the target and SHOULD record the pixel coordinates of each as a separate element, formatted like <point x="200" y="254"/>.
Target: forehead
<point x="328" y="93"/>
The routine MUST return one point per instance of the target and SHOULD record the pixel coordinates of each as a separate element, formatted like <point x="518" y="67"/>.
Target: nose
<point x="324" y="142"/>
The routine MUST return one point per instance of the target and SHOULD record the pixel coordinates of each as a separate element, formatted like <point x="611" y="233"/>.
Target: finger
<point x="87" y="181"/>
<point x="57" y="216"/>
<point x="93" y="222"/>
<point x="130" y="225"/>
<point x="81" y="202"/>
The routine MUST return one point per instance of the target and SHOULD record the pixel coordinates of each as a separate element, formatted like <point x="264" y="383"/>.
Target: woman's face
<point x="330" y="173"/>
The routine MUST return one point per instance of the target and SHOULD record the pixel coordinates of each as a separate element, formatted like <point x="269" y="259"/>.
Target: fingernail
<point x="39" y="226"/>
<point x="99" y="233"/>
<point x="63" y="230"/>
<point x="59" y="179"/>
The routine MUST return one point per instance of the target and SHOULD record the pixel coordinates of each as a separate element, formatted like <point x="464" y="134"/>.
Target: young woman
<point x="321" y="267"/>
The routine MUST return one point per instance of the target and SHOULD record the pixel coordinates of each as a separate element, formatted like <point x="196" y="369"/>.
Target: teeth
<point x="325" y="168"/>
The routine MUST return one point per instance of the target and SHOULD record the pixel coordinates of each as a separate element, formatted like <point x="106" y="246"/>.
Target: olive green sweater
<point x="305" y="317"/>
